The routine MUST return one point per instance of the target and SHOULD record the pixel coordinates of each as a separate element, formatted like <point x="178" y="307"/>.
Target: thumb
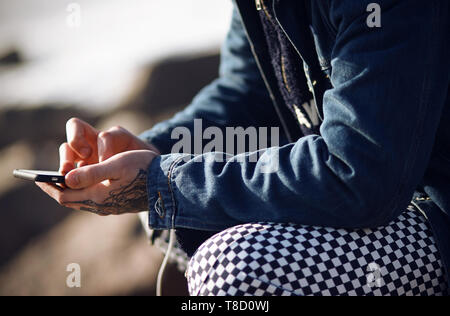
<point x="90" y="175"/>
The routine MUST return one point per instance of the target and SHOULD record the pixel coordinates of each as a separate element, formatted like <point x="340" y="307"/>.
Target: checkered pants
<point x="284" y="259"/>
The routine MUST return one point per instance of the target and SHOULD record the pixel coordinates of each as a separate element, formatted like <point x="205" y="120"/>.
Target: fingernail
<point x="85" y="152"/>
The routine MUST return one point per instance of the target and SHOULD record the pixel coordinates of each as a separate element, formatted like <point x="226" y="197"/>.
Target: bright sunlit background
<point x="95" y="63"/>
<point x="126" y="62"/>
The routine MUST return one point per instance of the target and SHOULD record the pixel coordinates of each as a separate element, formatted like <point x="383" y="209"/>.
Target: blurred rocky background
<point x="117" y="62"/>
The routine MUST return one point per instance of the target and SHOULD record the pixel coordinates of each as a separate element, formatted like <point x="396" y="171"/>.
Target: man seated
<point x="354" y="199"/>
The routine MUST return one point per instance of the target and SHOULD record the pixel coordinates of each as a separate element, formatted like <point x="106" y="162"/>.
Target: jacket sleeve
<point x="380" y="120"/>
<point x="237" y="98"/>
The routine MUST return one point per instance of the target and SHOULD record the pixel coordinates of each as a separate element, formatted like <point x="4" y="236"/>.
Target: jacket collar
<point x="251" y="22"/>
<point x="293" y="19"/>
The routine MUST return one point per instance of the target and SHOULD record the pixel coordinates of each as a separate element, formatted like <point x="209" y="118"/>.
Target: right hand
<point x="86" y="145"/>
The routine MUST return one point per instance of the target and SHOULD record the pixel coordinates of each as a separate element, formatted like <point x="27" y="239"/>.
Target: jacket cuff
<point x="160" y="189"/>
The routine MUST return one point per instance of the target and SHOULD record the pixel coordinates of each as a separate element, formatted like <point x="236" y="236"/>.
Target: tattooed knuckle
<point x="130" y="198"/>
<point x="96" y="202"/>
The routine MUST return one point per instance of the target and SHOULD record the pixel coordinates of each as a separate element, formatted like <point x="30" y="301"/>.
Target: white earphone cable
<point x="164" y="262"/>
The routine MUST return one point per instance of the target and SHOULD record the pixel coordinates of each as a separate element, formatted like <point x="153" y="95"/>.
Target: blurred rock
<point x="46" y="155"/>
<point x="133" y="121"/>
<point x="16" y="156"/>
<point x="94" y="64"/>
<point x="35" y="125"/>
<point x="173" y="82"/>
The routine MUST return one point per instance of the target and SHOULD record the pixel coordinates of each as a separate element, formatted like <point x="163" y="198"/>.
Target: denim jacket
<point x="383" y="98"/>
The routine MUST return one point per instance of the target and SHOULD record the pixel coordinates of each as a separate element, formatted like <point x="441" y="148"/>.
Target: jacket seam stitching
<point x="171" y="190"/>
<point x="419" y="127"/>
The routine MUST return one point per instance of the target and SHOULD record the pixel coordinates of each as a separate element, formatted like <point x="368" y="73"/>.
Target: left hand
<point x="117" y="185"/>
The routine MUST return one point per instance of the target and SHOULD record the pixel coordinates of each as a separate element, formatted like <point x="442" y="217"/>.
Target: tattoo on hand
<point x="131" y="198"/>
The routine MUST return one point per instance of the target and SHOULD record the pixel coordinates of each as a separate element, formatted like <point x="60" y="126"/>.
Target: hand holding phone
<point x="87" y="146"/>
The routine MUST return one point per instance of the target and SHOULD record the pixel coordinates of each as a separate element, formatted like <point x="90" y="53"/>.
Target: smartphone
<point x="39" y="176"/>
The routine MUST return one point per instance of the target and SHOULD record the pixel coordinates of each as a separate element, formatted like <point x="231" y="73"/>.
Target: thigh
<point x="285" y="259"/>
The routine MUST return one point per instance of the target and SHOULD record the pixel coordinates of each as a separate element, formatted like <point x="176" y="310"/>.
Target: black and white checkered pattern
<point x="284" y="259"/>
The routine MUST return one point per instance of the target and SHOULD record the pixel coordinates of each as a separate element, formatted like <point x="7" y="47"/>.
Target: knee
<point x="221" y="266"/>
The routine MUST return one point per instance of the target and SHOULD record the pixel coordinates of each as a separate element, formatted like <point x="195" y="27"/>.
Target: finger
<point x="80" y="137"/>
<point x="82" y="164"/>
<point x="90" y="175"/>
<point x="75" y="199"/>
<point x="67" y="158"/>
<point x="60" y="195"/>
<point x="115" y="140"/>
<point x="50" y="190"/>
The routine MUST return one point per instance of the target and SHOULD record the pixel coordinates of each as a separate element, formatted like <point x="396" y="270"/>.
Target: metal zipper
<point x="418" y="208"/>
<point x="298" y="52"/>
<point x="258" y="64"/>
<point x="258" y="5"/>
